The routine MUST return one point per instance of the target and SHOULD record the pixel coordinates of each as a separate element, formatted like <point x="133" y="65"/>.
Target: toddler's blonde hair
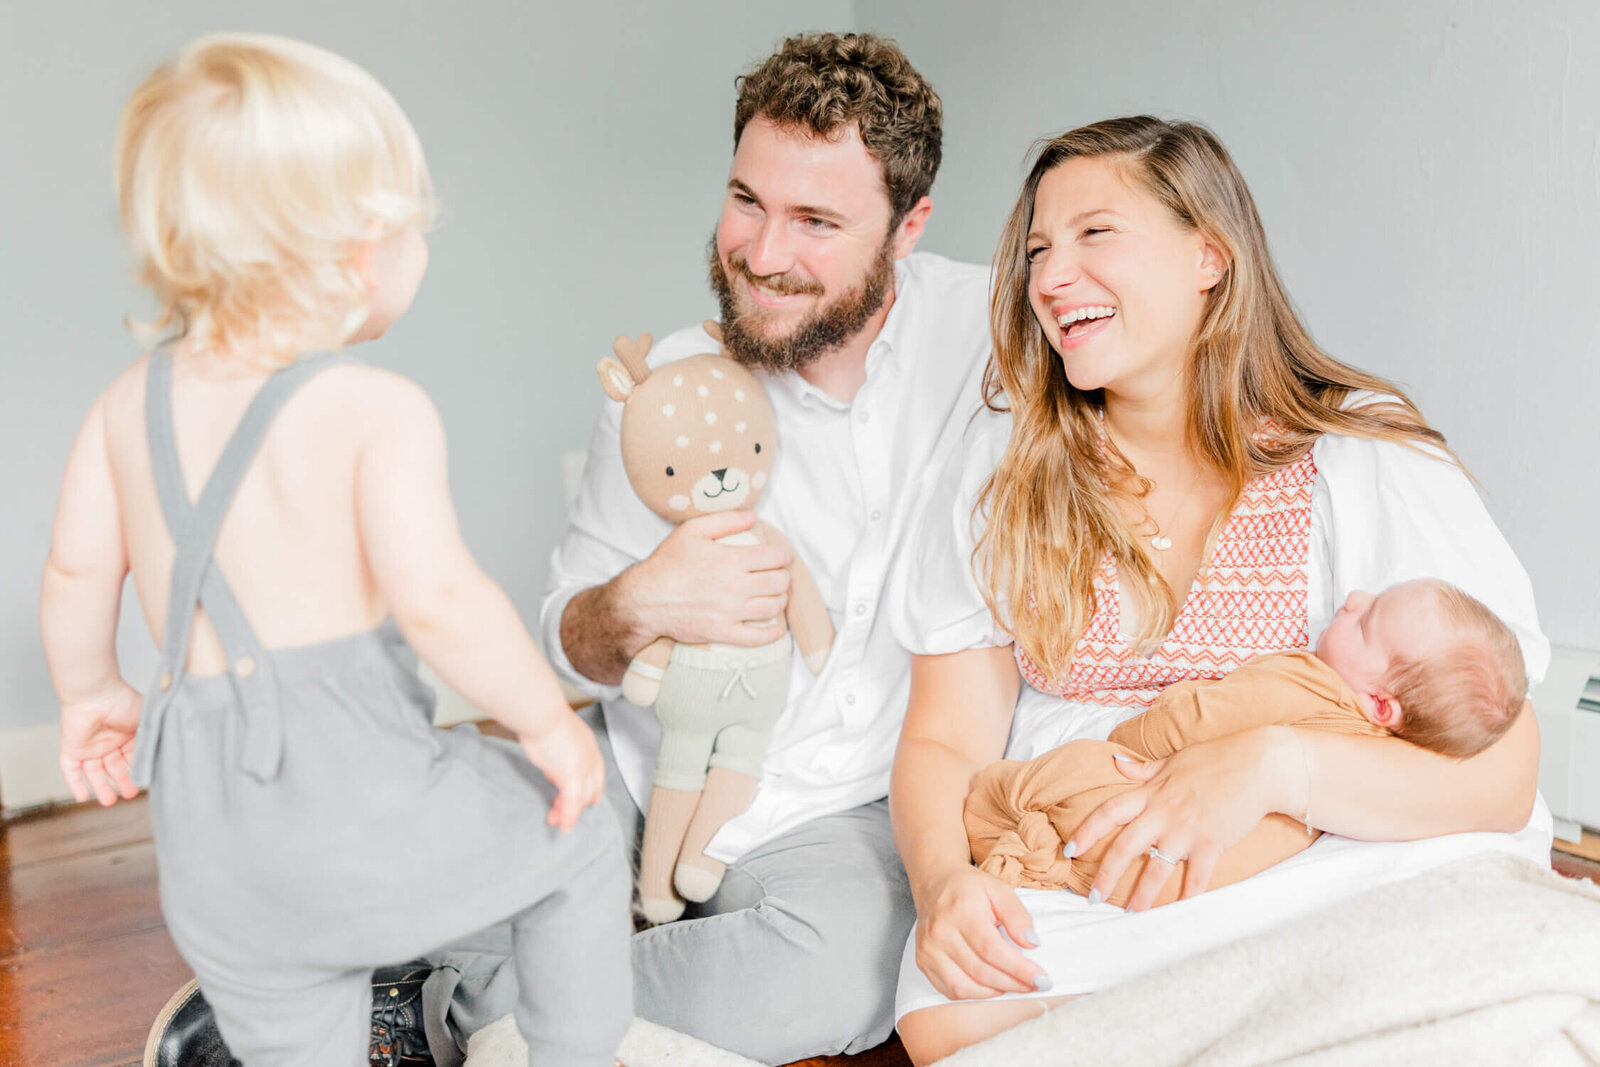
<point x="247" y="170"/>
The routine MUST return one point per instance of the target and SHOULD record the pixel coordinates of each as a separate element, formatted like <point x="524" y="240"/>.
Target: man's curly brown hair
<point x="829" y="82"/>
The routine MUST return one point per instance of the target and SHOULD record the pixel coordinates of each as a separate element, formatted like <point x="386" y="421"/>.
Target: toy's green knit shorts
<point x="717" y="706"/>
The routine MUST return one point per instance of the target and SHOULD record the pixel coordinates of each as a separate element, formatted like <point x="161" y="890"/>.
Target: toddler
<point x="1422" y="661"/>
<point x="286" y="517"/>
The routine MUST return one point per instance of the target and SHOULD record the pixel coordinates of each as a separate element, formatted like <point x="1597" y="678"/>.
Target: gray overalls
<point x="311" y="824"/>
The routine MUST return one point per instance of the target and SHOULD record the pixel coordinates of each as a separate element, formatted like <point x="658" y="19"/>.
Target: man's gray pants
<point x="796" y="955"/>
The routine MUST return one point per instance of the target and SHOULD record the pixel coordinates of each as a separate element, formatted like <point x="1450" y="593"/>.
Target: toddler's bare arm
<point x="457" y="618"/>
<point x="78" y="608"/>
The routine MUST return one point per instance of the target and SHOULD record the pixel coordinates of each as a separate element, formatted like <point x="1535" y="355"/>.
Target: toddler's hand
<point x="97" y="744"/>
<point x="568" y="756"/>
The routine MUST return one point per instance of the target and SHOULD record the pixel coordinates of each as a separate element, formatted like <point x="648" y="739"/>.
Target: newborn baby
<point x="1422" y="661"/>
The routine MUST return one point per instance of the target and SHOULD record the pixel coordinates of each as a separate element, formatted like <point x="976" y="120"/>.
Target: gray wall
<point x="580" y="151"/>
<point x="1427" y="172"/>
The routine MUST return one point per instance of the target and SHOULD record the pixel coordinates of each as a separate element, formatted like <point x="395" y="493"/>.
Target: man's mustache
<point x="781" y="284"/>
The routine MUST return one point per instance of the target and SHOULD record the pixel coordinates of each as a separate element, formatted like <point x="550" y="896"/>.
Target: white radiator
<point x="1568" y="705"/>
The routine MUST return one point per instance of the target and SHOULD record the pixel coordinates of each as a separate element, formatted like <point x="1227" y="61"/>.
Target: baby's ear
<point x="615" y="380"/>
<point x="1386" y="710"/>
<point x="714" y="329"/>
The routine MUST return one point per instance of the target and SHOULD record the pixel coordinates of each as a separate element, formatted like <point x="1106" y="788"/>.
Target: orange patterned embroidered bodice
<point x="1249" y="600"/>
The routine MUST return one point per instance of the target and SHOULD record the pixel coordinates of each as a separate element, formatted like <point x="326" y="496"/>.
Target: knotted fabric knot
<point x="1031" y="849"/>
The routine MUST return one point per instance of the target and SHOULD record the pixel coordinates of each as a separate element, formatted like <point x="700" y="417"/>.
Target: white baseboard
<point x="30" y="766"/>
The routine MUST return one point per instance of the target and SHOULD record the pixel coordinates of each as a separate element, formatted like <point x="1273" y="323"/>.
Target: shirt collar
<point x="883" y="356"/>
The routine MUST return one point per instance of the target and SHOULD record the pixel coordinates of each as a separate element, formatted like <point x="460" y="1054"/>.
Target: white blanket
<point x="1491" y="960"/>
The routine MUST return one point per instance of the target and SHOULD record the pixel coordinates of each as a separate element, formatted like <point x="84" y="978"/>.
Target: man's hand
<point x="690" y="589"/>
<point x="695" y="591"/>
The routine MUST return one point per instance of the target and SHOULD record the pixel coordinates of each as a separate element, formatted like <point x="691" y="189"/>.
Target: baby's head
<point x="273" y="195"/>
<point x="1428" y="663"/>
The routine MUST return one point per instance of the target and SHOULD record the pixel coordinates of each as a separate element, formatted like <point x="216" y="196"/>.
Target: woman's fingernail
<point x="1123" y="757"/>
<point x="1095" y="897"/>
<point x="1031" y="937"/>
<point x="1042" y="983"/>
<point x="1070" y="850"/>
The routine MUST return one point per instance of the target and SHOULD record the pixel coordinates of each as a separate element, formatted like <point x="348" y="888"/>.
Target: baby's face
<point x="1368" y="631"/>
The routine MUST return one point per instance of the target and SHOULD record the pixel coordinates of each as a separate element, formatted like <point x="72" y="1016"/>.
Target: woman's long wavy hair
<point x="1056" y="504"/>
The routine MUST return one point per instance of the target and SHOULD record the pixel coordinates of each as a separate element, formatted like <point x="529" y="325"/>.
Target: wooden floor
<point x="85" y="960"/>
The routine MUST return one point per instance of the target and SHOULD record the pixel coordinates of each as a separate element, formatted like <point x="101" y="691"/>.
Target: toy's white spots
<point x="711" y="418"/>
<point x="678" y="502"/>
<point x="715" y="373"/>
<point x="759" y="480"/>
<point x="677" y="379"/>
<point x="682" y="442"/>
<point x="703" y="391"/>
<point x="738" y="394"/>
<point x="739" y="426"/>
<point x="716" y="446"/>
<point x="668" y="410"/>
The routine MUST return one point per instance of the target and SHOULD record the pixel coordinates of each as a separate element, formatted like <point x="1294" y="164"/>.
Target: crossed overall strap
<point x="196" y="580"/>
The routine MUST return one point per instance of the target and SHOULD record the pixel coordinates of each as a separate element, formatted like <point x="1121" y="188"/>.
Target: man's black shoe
<point x="398" y="1039"/>
<point x="185" y="1032"/>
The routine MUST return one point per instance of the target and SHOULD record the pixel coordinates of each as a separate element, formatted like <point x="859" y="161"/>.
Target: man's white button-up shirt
<point x="842" y="490"/>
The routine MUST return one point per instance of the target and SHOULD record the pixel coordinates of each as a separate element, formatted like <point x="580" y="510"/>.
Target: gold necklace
<point x="1160" y="541"/>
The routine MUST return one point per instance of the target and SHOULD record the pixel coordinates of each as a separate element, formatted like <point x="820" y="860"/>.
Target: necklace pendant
<point x="1161" y="543"/>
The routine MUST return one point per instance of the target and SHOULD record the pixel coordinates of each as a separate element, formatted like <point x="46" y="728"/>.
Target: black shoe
<point x="398" y="1039"/>
<point x="185" y="1032"/>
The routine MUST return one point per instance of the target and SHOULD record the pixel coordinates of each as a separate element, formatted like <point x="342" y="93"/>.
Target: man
<point x="872" y="357"/>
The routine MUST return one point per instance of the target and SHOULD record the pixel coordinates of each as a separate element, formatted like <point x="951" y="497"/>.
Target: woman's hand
<point x="960" y="946"/>
<point x="97" y="743"/>
<point x="1192" y="806"/>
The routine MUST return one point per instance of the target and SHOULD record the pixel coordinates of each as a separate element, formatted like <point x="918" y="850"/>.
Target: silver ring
<point x="1156" y="853"/>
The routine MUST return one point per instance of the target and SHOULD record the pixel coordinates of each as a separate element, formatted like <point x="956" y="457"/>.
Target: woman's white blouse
<point x="1381" y="513"/>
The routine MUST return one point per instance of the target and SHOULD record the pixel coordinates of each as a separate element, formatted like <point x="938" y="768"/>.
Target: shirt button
<point x="849" y="698"/>
<point x="865" y="416"/>
<point x="861" y="609"/>
<point x="876" y="515"/>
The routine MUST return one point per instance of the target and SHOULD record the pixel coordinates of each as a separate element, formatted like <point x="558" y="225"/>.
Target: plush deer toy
<point x="698" y="437"/>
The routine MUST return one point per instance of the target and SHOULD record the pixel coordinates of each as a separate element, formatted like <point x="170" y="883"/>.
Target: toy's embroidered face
<point x="697" y="436"/>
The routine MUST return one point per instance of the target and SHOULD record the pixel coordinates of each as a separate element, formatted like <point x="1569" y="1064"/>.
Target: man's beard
<point x="828" y="328"/>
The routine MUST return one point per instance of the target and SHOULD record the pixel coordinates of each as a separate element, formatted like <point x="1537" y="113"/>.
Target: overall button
<point x="245" y="667"/>
<point x="166" y="681"/>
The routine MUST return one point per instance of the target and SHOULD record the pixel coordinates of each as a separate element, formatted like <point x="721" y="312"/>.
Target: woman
<point x="1160" y="421"/>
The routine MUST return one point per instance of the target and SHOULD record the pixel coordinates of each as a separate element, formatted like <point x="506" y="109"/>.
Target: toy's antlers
<point x="714" y="329"/>
<point x="620" y="379"/>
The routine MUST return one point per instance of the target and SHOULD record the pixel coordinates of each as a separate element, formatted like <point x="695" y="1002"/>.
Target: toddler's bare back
<point x="291" y="547"/>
